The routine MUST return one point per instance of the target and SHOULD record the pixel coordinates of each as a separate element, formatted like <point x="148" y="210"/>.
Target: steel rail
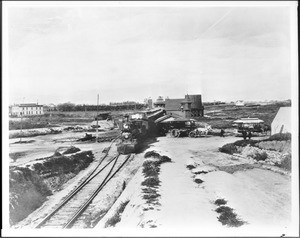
<point x="101" y="186"/>
<point x="69" y="197"/>
<point x="77" y="189"/>
<point x="82" y="208"/>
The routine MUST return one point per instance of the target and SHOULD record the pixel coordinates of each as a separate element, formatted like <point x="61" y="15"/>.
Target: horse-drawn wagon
<point x="178" y="127"/>
<point x="200" y="131"/>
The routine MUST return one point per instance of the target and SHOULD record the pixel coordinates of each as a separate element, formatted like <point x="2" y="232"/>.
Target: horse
<point x="200" y="131"/>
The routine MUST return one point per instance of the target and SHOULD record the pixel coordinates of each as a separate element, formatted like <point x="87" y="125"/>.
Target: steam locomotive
<point x="136" y="129"/>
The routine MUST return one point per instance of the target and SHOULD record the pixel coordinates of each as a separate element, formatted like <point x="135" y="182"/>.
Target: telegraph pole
<point x="22" y="122"/>
<point x="21" y="126"/>
<point x="97" y="119"/>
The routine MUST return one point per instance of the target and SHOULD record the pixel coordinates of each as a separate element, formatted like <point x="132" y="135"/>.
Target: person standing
<point x="249" y="135"/>
<point x="244" y="133"/>
<point x="222" y="133"/>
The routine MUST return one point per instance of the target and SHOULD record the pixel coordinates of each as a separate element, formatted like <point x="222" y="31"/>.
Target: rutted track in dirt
<point x="69" y="212"/>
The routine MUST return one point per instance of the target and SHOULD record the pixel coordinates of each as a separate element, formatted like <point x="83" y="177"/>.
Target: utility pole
<point x="21" y="126"/>
<point x="22" y="122"/>
<point x="97" y="119"/>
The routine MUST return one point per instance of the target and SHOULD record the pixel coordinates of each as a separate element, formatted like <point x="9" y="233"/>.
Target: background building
<point x="160" y="102"/>
<point x="49" y="108"/>
<point x="188" y="107"/>
<point x="29" y="109"/>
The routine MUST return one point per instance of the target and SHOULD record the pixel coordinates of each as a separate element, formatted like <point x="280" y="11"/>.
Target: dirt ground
<point x="45" y="145"/>
<point x="261" y="198"/>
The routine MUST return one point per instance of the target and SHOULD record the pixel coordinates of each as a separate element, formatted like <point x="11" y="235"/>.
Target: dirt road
<point x="260" y="198"/>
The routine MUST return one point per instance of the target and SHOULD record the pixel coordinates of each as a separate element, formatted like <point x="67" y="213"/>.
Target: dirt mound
<point x="280" y="137"/>
<point x="24" y="142"/>
<point x="66" y="150"/>
<point x="280" y="146"/>
<point x="274" y="151"/>
<point x="27" y="192"/>
<point x="33" y="132"/>
<point x="56" y="170"/>
<point x="30" y="186"/>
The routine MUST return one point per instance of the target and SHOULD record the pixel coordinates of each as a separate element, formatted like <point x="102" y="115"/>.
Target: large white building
<point x="29" y="109"/>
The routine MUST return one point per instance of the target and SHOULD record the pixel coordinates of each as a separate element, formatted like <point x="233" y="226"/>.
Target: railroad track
<point x="74" y="205"/>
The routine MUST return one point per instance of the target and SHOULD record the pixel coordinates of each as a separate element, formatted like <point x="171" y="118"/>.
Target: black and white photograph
<point x="150" y="118"/>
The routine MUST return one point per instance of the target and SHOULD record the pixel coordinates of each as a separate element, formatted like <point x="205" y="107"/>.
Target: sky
<point x="71" y="54"/>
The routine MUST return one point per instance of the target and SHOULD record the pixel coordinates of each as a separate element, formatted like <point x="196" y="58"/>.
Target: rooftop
<point x="248" y="120"/>
<point x="29" y="105"/>
<point x="173" y="104"/>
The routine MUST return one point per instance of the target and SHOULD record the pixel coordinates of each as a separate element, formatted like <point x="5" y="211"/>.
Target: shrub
<point x="260" y="156"/>
<point x="56" y="153"/>
<point x="71" y="150"/>
<point x="220" y="201"/>
<point x="228" y="149"/>
<point x="164" y="159"/>
<point x="151" y="154"/>
<point x="150" y="169"/>
<point x="190" y="166"/>
<point x="151" y="196"/>
<point x="228" y="217"/>
<point x="149" y="190"/>
<point x="151" y="162"/>
<point x="244" y="143"/>
<point x="223" y="209"/>
<point x="151" y="182"/>
<point x="198" y="180"/>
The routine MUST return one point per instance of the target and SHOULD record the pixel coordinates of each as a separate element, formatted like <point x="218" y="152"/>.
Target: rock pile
<point x="264" y="156"/>
<point x="280" y="146"/>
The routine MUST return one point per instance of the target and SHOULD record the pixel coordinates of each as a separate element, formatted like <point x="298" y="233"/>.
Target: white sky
<point x="60" y="54"/>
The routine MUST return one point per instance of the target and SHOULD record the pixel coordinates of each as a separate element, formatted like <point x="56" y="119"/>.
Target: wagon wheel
<point x="192" y="134"/>
<point x="175" y="133"/>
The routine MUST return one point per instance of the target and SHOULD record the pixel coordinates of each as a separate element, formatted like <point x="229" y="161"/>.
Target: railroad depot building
<point x="29" y="109"/>
<point x="188" y="107"/>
